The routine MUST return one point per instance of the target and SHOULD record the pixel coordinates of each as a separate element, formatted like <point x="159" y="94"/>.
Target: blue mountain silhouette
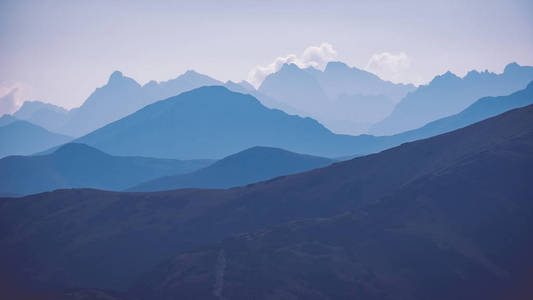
<point x="24" y="138"/>
<point x="77" y="165"/>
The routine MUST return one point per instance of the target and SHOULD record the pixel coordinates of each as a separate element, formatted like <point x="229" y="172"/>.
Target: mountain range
<point x="449" y="94"/>
<point x="80" y="166"/>
<point x="14" y="142"/>
<point x="336" y="97"/>
<point x="345" y="99"/>
<point x="119" y="97"/>
<point x="447" y="217"/>
<point x="248" y="166"/>
<point x="238" y="169"/>
<point x="187" y="130"/>
<point x="122" y="96"/>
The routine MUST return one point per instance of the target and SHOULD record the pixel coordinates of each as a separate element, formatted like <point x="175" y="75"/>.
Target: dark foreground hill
<point x="78" y="165"/>
<point x="248" y="166"/>
<point x="449" y="217"/>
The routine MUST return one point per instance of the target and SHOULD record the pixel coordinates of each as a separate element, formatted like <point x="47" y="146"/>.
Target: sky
<point x="60" y="51"/>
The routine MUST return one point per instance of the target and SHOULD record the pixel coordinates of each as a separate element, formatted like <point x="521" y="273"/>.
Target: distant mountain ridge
<point x="343" y="98"/>
<point x="119" y="97"/>
<point x="355" y="94"/>
<point x="448" y="94"/>
<point x="80" y="166"/>
<point x="49" y="116"/>
<point x="122" y="96"/>
<point x="248" y="166"/>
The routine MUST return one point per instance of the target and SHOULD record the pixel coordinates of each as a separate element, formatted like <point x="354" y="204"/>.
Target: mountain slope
<point x="78" y="165"/>
<point x="448" y="94"/>
<point x="248" y="166"/>
<point x="463" y="192"/>
<point x="24" y="138"/>
<point x="214" y="122"/>
<point x="118" y="98"/>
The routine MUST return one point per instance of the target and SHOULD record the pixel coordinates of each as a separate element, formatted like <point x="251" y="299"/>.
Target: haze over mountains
<point x="445" y="202"/>
<point x="266" y="150"/>
<point x="248" y="166"/>
<point x="448" y="94"/>
<point x="433" y="213"/>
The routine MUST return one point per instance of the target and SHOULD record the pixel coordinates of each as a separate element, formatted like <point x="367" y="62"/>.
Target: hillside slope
<point x="248" y="166"/>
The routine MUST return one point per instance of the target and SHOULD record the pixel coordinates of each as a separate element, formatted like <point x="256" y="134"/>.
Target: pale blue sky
<point x="59" y="51"/>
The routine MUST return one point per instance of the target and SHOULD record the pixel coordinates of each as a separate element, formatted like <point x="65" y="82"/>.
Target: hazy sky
<point x="60" y="51"/>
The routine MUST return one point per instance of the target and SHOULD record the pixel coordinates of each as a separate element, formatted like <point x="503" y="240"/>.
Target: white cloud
<point x="11" y="97"/>
<point x="389" y="66"/>
<point x="9" y="102"/>
<point x="314" y="56"/>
